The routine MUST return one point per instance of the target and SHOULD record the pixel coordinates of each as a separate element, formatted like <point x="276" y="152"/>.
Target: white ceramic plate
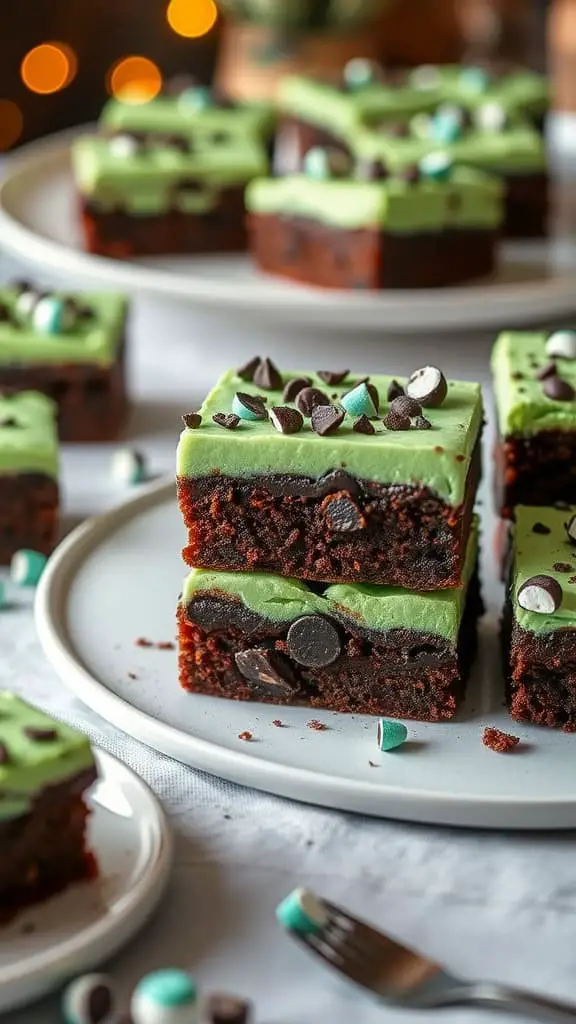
<point x="39" y="224"/>
<point x="117" y="577"/>
<point x="72" y="933"/>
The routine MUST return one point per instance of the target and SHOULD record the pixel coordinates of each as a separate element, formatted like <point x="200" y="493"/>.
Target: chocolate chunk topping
<point x="267" y="376"/>
<point x="40" y="735"/>
<point x="192" y="420"/>
<point x="224" y="1009"/>
<point x="395" y="420"/>
<point x="562" y="567"/>
<point x="410" y="174"/>
<point x="308" y="398"/>
<point x="22" y="285"/>
<point x="570" y="528"/>
<point x="9" y="421"/>
<point x="84" y="312"/>
<point x="540" y="528"/>
<point x="100" y="1004"/>
<point x="286" y="420"/>
<point x="428" y="386"/>
<point x="332" y="377"/>
<point x="4" y="754"/>
<point x="542" y="594"/>
<point x="395" y="390"/>
<point x="326" y="419"/>
<point x="226" y="419"/>
<point x="421" y="423"/>
<point x="405" y="406"/>
<point x="267" y="670"/>
<point x="254" y="404"/>
<point x="5" y="314"/>
<point x="342" y="514"/>
<point x="549" y="370"/>
<point x="557" y="389"/>
<point x="314" y="641"/>
<point x="363" y="426"/>
<point x="372" y="170"/>
<point x="247" y="371"/>
<point x="294" y="387"/>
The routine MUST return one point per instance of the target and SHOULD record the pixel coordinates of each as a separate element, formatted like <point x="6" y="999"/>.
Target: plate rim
<point x="452" y="308"/>
<point x="241" y="767"/>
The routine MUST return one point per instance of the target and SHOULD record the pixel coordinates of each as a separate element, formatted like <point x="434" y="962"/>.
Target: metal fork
<point x="403" y="978"/>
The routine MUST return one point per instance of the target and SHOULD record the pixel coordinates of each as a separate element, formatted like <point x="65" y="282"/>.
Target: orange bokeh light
<point x="135" y="80"/>
<point x="191" y="18"/>
<point x="11" y="123"/>
<point x="49" y="67"/>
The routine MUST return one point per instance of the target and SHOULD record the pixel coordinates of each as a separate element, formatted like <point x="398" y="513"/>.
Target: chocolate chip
<point x="563" y="567"/>
<point x="224" y="1009"/>
<point x="5" y="314"/>
<point x="541" y="528"/>
<point x="247" y="371"/>
<point x="363" y="426"/>
<point x="397" y="129"/>
<point x="39" y="734"/>
<point x="570" y="528"/>
<point x="395" y="390"/>
<point x="541" y="594"/>
<point x="421" y="423"/>
<point x="308" y="398"/>
<point x="326" y="419"/>
<point x="517" y="375"/>
<point x="409" y="174"/>
<point x="254" y="404"/>
<point x="100" y="1004"/>
<point x="226" y="419"/>
<point x="342" y="514"/>
<point x="267" y="376"/>
<point x="84" y="312"/>
<point x="428" y="386"/>
<point x="192" y="420"/>
<point x="268" y="670"/>
<point x="372" y="170"/>
<point x="285" y="419"/>
<point x="558" y="390"/>
<point x="4" y="754"/>
<point x="549" y="370"/>
<point x="22" y="285"/>
<point x="314" y="641"/>
<point x="171" y="140"/>
<point x="9" y="421"/>
<point x="394" y="420"/>
<point x="405" y="406"/>
<point x="332" y="377"/>
<point x="294" y="387"/>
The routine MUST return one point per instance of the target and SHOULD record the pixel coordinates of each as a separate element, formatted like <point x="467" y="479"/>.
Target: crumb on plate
<point x="500" y="742"/>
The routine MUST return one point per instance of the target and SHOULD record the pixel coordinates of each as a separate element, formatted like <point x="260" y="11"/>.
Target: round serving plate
<point x="117" y="578"/>
<point x="39" y="224"/>
<point x="75" y="931"/>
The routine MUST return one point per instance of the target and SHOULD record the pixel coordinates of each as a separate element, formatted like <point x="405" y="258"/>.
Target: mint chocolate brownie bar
<point x="28" y="474"/>
<point x="324" y="477"/>
<point x="348" y="647"/>
<point x="539" y="629"/>
<point x="72" y="348"/>
<point x="534" y="376"/>
<point x="45" y="769"/>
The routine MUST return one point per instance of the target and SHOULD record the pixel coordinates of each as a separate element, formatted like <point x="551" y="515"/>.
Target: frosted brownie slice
<point x="71" y="346"/>
<point x="540" y="619"/>
<point x="45" y="769"/>
<point x="534" y="375"/>
<point x="322" y="477"/>
<point x="28" y="474"/>
<point x="351" y="647"/>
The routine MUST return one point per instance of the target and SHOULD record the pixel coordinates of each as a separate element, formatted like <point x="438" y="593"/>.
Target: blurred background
<point x="60" y="59"/>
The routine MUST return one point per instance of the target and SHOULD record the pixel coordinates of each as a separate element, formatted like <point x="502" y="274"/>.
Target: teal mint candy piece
<point x="52" y="315"/>
<point x="249" y="407"/>
<point x="198" y="97"/>
<point x="88" y="999"/>
<point x="474" y="80"/>
<point x="359" y="72"/>
<point x="302" y="912"/>
<point x="323" y="163"/>
<point x="446" y="127"/>
<point x="128" y="466"/>
<point x="168" y="996"/>
<point x="358" y="402"/>
<point x="27" y="567"/>
<point x="391" y="734"/>
<point x="436" y="166"/>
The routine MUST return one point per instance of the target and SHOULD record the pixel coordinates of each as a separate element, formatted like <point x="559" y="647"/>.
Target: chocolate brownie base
<point x="367" y="258"/>
<point x="121" y="235"/>
<point x="45" y="851"/>
<point x="92" y="400"/>
<point x="402" y="673"/>
<point x="402" y="535"/>
<point x="538" y="470"/>
<point x="28" y="514"/>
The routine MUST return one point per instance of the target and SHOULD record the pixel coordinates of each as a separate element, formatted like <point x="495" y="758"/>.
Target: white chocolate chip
<point x="541" y="594"/>
<point x="490" y="117"/>
<point x="123" y="146"/>
<point x="428" y="386"/>
<point x="427" y="76"/>
<point x="561" y="345"/>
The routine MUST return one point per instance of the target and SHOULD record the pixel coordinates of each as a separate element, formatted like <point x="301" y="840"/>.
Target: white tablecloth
<point x="502" y="906"/>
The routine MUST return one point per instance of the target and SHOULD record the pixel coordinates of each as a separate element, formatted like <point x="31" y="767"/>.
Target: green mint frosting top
<point x="521" y="91"/>
<point x="438" y="458"/>
<point x="380" y="608"/>
<point x="393" y="204"/>
<point x="28" y="437"/>
<point x="536" y="553"/>
<point x="37" y="751"/>
<point x="522" y="406"/>
<point x="174" y="114"/>
<point x="92" y="340"/>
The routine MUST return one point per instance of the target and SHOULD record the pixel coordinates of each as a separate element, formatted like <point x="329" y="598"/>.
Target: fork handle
<point x="511" y="1000"/>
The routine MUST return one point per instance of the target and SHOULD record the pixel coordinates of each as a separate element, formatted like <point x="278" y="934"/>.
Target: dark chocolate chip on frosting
<point x="267" y="376"/>
<point x="420" y="423"/>
<point x="308" y="398"/>
<point x="570" y="527"/>
<point x="226" y="419"/>
<point x="405" y="406"/>
<point x="428" y="386"/>
<point x="395" y="420"/>
<point x="40" y="735"/>
<point x="410" y="174"/>
<point x="294" y="387"/>
<point x="326" y="419"/>
<point x="395" y="390"/>
<point x="9" y="421"/>
<point x="314" y="641"/>
<point x="540" y="528"/>
<point x="5" y="314"/>
<point x="192" y="420"/>
<point x="332" y="377"/>
<point x="342" y="514"/>
<point x="268" y="670"/>
<point x="372" y="170"/>
<point x="563" y="567"/>
<point x="4" y="754"/>
<point x="549" y="370"/>
<point x="247" y="371"/>
<point x="286" y="420"/>
<point x="363" y="426"/>
<point x="542" y="594"/>
<point x="558" y="389"/>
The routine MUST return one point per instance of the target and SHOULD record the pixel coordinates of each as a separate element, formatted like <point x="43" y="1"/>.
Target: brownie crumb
<point x="132" y="675"/>
<point x="165" y="645"/>
<point x="143" y="642"/>
<point x="246" y="736"/>
<point x="317" y="725"/>
<point x="540" y="528"/>
<point x="278" y="723"/>
<point x="500" y="742"/>
<point x="563" y="567"/>
<point x="572" y="579"/>
<point x="372" y="764"/>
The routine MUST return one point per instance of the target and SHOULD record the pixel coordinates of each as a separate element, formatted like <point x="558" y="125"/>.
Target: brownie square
<point x="45" y="769"/>
<point x="72" y="348"/>
<point x="387" y="506"/>
<point x="535" y="391"/>
<point x="350" y="647"/>
<point x="28" y="474"/>
<point x="539" y="626"/>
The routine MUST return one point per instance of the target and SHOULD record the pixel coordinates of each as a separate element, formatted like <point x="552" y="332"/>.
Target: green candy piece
<point x="27" y="567"/>
<point x="170" y="987"/>
<point x="436" y="166"/>
<point x="302" y="912"/>
<point x="358" y="402"/>
<point x="391" y="734"/>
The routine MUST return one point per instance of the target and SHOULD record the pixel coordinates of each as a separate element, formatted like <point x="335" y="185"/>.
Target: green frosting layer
<point x="379" y="608"/>
<point x="535" y="554"/>
<point x="521" y="405"/>
<point x="28" y="434"/>
<point x="468" y="199"/>
<point x="92" y="340"/>
<point x="438" y="458"/>
<point x="171" y="114"/>
<point x="520" y="92"/>
<point x="30" y="765"/>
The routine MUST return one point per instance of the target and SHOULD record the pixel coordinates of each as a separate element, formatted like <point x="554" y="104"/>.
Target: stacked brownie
<point x="332" y="539"/>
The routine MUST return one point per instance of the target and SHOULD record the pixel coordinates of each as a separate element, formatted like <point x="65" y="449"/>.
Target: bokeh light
<point x="135" y="79"/>
<point x="49" y="67"/>
<point x="11" y="123"/>
<point x="191" y="18"/>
